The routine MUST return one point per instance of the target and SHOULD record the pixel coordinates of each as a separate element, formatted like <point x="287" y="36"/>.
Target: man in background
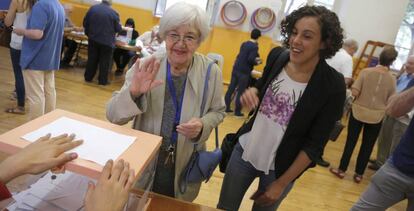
<point x="101" y="24"/>
<point x="40" y="55"/>
<point x="247" y="58"/>
<point x="393" y="128"/>
<point x="343" y="62"/>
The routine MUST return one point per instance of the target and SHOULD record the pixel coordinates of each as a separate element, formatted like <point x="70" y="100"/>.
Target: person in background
<point x="121" y="56"/>
<point x="394" y="181"/>
<point x="101" y="24"/>
<point x="17" y="16"/>
<point x="40" y="55"/>
<point x="173" y="109"/>
<point x="109" y="194"/>
<point x="296" y="102"/>
<point x="150" y="41"/>
<point x="247" y="58"/>
<point x="70" y="45"/>
<point x="393" y="128"/>
<point x="371" y="90"/>
<point x="343" y="63"/>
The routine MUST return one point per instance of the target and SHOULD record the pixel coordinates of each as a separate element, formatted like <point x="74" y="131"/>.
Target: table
<point x="159" y="202"/>
<point x="139" y="154"/>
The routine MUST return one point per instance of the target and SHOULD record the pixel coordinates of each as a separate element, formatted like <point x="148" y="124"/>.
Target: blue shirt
<point x="101" y="23"/>
<point x="246" y="58"/>
<point x="44" y="54"/>
<point x="402" y="81"/>
<point x="403" y="155"/>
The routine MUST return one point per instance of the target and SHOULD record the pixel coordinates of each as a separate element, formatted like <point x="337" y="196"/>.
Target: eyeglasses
<point x="187" y="39"/>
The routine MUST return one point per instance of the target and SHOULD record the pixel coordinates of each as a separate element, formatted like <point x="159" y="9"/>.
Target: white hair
<point x="183" y="13"/>
<point x="351" y="43"/>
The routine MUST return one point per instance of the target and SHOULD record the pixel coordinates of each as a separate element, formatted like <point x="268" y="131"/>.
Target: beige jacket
<point x="375" y="86"/>
<point x="147" y="111"/>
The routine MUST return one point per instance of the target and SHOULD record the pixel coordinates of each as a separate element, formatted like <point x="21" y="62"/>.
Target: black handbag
<point x="336" y="131"/>
<point x="202" y="163"/>
<point x="229" y="141"/>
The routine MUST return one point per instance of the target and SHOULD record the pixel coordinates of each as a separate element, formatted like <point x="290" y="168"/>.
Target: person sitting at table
<point x="121" y="56"/>
<point x="109" y="194"/>
<point x="70" y="45"/>
<point x="101" y="23"/>
<point x="173" y="109"/>
<point x="150" y="41"/>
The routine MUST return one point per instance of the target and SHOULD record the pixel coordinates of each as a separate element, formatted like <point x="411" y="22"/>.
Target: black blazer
<point x="317" y="110"/>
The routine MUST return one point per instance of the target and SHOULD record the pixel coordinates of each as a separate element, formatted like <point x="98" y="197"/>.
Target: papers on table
<point x="65" y="192"/>
<point x="99" y="145"/>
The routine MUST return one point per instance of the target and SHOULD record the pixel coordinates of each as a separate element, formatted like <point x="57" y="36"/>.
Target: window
<point x="404" y="40"/>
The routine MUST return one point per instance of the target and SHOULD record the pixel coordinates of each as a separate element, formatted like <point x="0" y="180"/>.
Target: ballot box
<point x="102" y="141"/>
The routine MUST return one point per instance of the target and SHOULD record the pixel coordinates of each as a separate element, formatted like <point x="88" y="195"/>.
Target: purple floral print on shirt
<point x="278" y="105"/>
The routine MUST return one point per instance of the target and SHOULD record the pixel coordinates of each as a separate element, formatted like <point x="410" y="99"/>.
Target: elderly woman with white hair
<point x="163" y="94"/>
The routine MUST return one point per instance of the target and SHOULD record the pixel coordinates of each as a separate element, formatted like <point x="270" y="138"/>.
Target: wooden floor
<point x="316" y="190"/>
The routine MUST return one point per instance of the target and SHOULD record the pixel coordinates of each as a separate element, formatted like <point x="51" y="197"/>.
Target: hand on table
<point x="112" y="189"/>
<point x="39" y="156"/>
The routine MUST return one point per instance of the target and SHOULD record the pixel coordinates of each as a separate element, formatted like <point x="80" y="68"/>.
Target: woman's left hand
<point x="270" y="196"/>
<point x="190" y="129"/>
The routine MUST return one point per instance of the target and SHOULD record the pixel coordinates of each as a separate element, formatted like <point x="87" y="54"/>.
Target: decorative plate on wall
<point x="233" y="13"/>
<point x="263" y="19"/>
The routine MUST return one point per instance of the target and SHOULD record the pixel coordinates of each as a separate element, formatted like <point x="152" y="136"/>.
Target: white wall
<point x="377" y="20"/>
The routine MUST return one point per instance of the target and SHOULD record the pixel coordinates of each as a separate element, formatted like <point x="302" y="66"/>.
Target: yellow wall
<point x="221" y="40"/>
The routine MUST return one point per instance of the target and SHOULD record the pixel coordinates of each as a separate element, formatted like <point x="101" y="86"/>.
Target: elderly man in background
<point x="393" y="128"/>
<point x="101" y="24"/>
<point x="342" y="61"/>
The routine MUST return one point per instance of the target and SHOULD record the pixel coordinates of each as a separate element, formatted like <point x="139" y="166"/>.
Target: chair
<point x="217" y="57"/>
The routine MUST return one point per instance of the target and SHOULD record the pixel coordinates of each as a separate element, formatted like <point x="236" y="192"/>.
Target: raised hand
<point x="143" y="79"/>
<point x="249" y="99"/>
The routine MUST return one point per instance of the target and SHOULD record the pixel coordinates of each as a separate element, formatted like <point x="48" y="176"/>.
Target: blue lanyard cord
<point x="177" y="105"/>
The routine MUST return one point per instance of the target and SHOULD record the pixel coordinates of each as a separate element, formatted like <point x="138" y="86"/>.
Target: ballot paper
<point x="99" y="144"/>
<point x="53" y="192"/>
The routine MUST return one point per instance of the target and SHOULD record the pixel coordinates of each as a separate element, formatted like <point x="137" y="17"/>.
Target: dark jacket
<point x="314" y="117"/>
<point x="246" y="58"/>
<point x="101" y="24"/>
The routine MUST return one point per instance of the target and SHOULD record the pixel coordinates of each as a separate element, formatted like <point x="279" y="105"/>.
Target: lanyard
<point x="177" y="105"/>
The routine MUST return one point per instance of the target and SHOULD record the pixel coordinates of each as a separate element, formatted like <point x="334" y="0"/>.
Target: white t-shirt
<point x="261" y="143"/>
<point x="342" y="62"/>
<point x="20" y="21"/>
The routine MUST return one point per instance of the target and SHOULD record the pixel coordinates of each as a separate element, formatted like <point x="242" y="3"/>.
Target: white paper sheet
<point x="99" y="145"/>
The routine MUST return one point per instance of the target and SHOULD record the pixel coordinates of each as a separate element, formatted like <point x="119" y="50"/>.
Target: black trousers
<point x="241" y="82"/>
<point x="71" y="47"/>
<point x="101" y="55"/>
<point x="369" y="137"/>
<point x="121" y="58"/>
